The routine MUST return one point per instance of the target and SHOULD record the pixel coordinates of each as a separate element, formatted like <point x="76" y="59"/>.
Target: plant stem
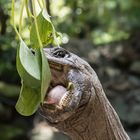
<point x="54" y="35"/>
<point x="21" y="16"/>
<point x="13" y="18"/>
<point x="36" y="25"/>
<point x="44" y="6"/>
<point x="41" y="7"/>
<point x="27" y="9"/>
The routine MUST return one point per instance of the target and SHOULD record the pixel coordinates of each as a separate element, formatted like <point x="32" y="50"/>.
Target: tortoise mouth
<point x="59" y="94"/>
<point x="54" y="96"/>
<point x="59" y="98"/>
<point x="58" y="86"/>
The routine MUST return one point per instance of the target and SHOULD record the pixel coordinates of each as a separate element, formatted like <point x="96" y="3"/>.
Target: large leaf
<point x="33" y="89"/>
<point x="33" y="68"/>
<point x="28" y="65"/>
<point x="45" y="76"/>
<point x="46" y="30"/>
<point x="28" y="101"/>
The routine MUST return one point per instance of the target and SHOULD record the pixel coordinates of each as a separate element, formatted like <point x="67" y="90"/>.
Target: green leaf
<point x="45" y="28"/>
<point x="29" y="100"/>
<point x="45" y="76"/>
<point x="33" y="89"/>
<point x="28" y="65"/>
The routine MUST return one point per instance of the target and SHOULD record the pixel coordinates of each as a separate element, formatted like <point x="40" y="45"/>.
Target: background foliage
<point x="106" y="33"/>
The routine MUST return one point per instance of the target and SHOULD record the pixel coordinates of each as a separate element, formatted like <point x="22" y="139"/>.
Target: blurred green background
<point x="105" y="33"/>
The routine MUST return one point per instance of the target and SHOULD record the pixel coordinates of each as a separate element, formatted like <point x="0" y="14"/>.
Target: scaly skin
<point x="88" y="115"/>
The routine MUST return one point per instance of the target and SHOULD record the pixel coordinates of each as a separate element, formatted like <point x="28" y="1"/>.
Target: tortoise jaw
<point x="56" y="66"/>
<point x="63" y="72"/>
<point x="57" y="86"/>
<point x="55" y="107"/>
<point x="53" y="98"/>
<point x="56" y="112"/>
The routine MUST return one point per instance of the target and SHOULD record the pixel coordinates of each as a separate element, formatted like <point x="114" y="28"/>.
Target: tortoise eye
<point x="61" y="54"/>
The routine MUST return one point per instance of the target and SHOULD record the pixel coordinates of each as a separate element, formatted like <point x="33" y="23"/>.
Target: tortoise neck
<point x="97" y="121"/>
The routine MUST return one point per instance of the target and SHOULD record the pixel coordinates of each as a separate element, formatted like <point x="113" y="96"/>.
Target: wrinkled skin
<point x="67" y="69"/>
<point x="82" y="110"/>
